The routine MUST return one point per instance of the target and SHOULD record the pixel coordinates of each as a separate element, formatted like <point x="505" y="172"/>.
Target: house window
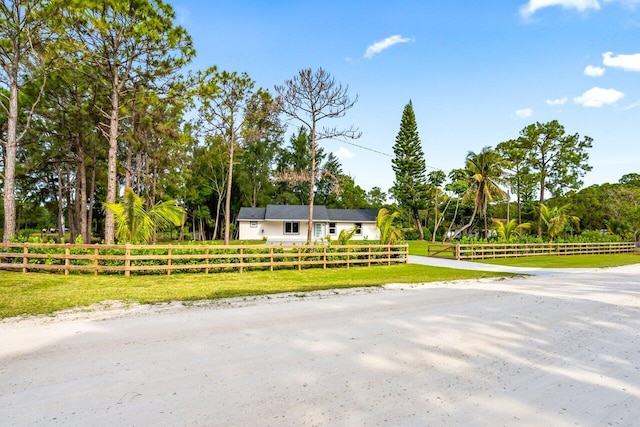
<point x="332" y="228"/>
<point x="253" y="224"/>
<point x="291" y="228"/>
<point x="358" y="228"/>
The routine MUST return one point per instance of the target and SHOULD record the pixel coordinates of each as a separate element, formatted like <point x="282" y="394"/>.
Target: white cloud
<point x="524" y="112"/>
<point x="581" y="5"/>
<point x="344" y="153"/>
<point x="554" y="102"/>
<point x="378" y="47"/>
<point x="626" y="62"/>
<point x="592" y="71"/>
<point x="632" y="106"/>
<point x="597" y="97"/>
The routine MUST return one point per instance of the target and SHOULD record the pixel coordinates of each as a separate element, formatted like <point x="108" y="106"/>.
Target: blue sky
<point x="477" y="72"/>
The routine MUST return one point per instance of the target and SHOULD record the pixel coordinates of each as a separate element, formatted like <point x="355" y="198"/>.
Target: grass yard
<point x="570" y="261"/>
<point x="41" y="293"/>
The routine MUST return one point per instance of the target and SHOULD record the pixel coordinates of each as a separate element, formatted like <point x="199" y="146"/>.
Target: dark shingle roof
<point x="251" y="214"/>
<point x="297" y="212"/>
<point x="353" y="215"/>
<point x="301" y="213"/>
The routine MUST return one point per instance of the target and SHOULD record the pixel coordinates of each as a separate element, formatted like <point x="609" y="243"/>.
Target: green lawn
<point x="571" y="261"/>
<point x="41" y="293"/>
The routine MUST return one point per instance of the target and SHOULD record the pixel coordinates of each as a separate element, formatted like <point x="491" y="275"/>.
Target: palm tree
<point x="556" y="219"/>
<point x="346" y="235"/>
<point x="507" y="230"/>
<point x="485" y="173"/>
<point x="135" y="224"/>
<point x="390" y="232"/>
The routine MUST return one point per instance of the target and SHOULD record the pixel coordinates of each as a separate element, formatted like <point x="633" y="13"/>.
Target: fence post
<point x="241" y="257"/>
<point x="67" y="254"/>
<point x="299" y="259"/>
<point x="25" y="258"/>
<point x="270" y="259"/>
<point x="169" y="262"/>
<point x="457" y="251"/>
<point x="95" y="261"/>
<point x="324" y="257"/>
<point x="127" y="260"/>
<point x="206" y="260"/>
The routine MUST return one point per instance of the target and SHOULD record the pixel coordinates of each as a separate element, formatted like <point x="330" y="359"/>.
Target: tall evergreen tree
<point x="410" y="188"/>
<point x="28" y="30"/>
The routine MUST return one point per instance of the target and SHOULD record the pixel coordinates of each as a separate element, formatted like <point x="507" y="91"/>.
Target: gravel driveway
<point x="555" y="349"/>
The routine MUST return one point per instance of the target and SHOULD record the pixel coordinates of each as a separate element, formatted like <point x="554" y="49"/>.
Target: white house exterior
<point x="288" y="224"/>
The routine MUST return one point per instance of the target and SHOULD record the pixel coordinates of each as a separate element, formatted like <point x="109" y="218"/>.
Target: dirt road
<point x="555" y="349"/>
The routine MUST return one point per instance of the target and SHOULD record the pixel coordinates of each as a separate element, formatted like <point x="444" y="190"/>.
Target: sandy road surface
<point x="554" y="350"/>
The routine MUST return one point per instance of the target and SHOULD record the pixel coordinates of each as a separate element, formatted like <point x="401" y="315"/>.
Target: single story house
<point x="288" y="224"/>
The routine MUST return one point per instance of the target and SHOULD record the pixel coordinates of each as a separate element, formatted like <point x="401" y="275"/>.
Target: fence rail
<point x="470" y="251"/>
<point x="148" y="259"/>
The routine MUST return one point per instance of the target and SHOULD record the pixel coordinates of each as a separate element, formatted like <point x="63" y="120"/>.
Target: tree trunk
<point x="154" y="183"/>
<point x="435" y="218"/>
<point x="444" y="211"/>
<point x="81" y="196"/>
<point x="60" y="198"/>
<point x="518" y="191"/>
<point x="92" y="192"/>
<point x="453" y="221"/>
<point x="10" y="155"/>
<point x="312" y="182"/>
<point x="128" y="164"/>
<point x="254" y="196"/>
<point x="416" y="216"/>
<point x="473" y="216"/>
<point x="486" y="227"/>
<point x="70" y="216"/>
<point x="216" y="226"/>
<point x="138" y="175"/>
<point x="541" y="201"/>
<point x="109" y="226"/>
<point x="128" y="178"/>
<point x="227" y="203"/>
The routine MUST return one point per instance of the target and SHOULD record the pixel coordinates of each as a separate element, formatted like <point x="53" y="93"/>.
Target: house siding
<point x="369" y="231"/>
<point x="246" y="232"/>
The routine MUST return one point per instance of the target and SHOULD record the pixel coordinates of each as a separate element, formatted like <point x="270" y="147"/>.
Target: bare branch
<point x="291" y="176"/>
<point x="33" y="108"/>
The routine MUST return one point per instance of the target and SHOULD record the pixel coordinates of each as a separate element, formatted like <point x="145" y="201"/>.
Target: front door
<point x="319" y="232"/>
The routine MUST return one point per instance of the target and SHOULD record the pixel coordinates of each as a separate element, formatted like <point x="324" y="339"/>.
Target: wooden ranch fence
<point x="129" y="259"/>
<point x="470" y="251"/>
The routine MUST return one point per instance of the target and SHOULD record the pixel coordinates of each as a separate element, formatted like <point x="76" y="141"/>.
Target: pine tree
<point x="410" y="188"/>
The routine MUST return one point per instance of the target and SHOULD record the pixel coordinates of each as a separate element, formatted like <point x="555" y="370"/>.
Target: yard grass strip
<point x="42" y="293"/>
<point x="569" y="261"/>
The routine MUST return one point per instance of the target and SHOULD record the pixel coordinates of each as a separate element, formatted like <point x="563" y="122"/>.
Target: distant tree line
<point x="541" y="169"/>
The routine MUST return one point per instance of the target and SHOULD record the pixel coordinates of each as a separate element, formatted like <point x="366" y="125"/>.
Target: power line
<point x="384" y="154"/>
